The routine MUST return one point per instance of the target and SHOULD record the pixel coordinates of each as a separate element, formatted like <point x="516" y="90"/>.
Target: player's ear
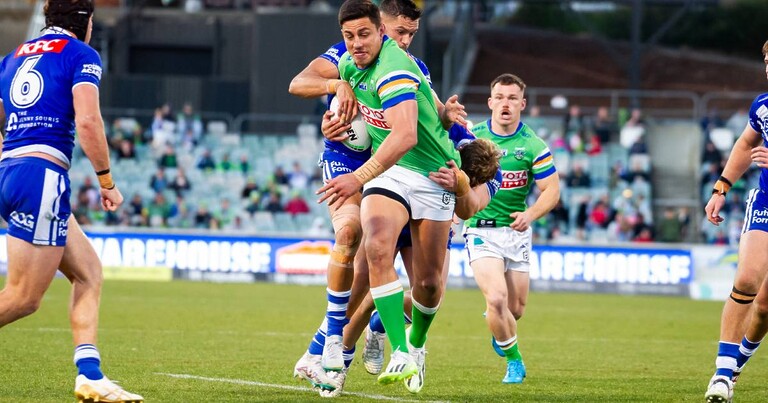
<point x="523" y="104"/>
<point x="489" y="103"/>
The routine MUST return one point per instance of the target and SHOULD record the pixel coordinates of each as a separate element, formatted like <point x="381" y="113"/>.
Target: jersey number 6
<point x="27" y="84"/>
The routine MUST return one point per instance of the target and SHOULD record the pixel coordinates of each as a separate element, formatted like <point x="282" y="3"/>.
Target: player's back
<point x="36" y="83"/>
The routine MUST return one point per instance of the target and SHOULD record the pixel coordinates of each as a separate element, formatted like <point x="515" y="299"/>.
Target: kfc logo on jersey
<point x="34" y="48"/>
<point x="92" y="69"/>
<point x="374" y="117"/>
<point x="513" y="179"/>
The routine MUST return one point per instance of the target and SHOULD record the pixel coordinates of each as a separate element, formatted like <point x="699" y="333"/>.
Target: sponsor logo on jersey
<point x="92" y="69"/>
<point x="519" y="153"/>
<point x="759" y="217"/>
<point x="446" y="198"/>
<point x="23" y="220"/>
<point x="513" y="179"/>
<point x="34" y="48"/>
<point x="63" y="227"/>
<point x="333" y="53"/>
<point x="374" y="117"/>
<point x="363" y="87"/>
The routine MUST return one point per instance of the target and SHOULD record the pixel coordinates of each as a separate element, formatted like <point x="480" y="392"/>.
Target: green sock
<point x="422" y="319"/>
<point x="512" y="352"/>
<point x="388" y="299"/>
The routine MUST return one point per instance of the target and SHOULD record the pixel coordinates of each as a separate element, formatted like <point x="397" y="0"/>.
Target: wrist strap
<point x="104" y="172"/>
<point x="331" y="85"/>
<point x="371" y="169"/>
<point x="722" y="186"/>
<point x="105" y="180"/>
<point x="462" y="182"/>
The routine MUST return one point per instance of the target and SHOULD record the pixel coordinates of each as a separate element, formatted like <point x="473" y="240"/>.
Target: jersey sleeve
<point x="333" y="54"/>
<point x="459" y="135"/>
<point x="757" y="112"/>
<point x="494" y="184"/>
<point x="424" y="70"/>
<point x="543" y="163"/>
<point x="87" y="67"/>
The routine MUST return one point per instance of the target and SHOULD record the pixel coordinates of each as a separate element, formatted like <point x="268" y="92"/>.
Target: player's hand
<point x="715" y="204"/>
<point x="445" y="177"/>
<point x="339" y="189"/>
<point x="347" y="102"/>
<point x="111" y="199"/>
<point x="760" y="156"/>
<point x="522" y="221"/>
<point x="333" y="128"/>
<point x="454" y="111"/>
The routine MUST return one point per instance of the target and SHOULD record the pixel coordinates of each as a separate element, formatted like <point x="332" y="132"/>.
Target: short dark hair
<point x="356" y="9"/>
<point x="508" y="79"/>
<point x="396" y="8"/>
<point x="480" y="161"/>
<point x="72" y="15"/>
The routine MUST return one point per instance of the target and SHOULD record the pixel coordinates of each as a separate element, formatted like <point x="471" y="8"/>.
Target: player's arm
<point x="550" y="194"/>
<point x="747" y="148"/>
<point x="90" y="129"/>
<point x="451" y="112"/>
<point x="468" y="203"/>
<point x="321" y="77"/>
<point x="471" y="203"/>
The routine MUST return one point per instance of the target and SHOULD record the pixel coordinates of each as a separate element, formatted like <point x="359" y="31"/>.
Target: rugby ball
<point x="358" y="138"/>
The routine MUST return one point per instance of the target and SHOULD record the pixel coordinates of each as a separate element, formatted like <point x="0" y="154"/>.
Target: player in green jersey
<point x="397" y="104"/>
<point x="498" y="238"/>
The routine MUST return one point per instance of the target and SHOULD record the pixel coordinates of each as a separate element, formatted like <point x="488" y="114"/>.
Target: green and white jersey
<point x="525" y="158"/>
<point x="393" y="78"/>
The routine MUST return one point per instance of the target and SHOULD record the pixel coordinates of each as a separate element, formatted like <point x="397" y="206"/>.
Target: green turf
<point x="577" y="347"/>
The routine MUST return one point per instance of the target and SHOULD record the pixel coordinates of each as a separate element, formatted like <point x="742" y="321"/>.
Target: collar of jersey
<point x="57" y="31"/>
<point x="519" y="126"/>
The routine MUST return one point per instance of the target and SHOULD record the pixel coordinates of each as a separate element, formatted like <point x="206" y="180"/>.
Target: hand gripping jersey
<point x="333" y="55"/>
<point x="393" y="78"/>
<point x="525" y="158"/>
<point x="36" y="82"/>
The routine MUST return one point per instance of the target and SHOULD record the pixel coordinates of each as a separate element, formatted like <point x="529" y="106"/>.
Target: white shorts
<point x="513" y="247"/>
<point x="422" y="198"/>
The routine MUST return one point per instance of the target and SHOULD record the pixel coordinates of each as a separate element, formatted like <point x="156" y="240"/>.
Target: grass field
<point x="239" y="342"/>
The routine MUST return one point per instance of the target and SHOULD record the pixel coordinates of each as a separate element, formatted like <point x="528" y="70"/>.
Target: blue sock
<point x="746" y="349"/>
<point x="726" y="359"/>
<point x="349" y="355"/>
<point x="375" y="323"/>
<point x="87" y="359"/>
<point x="317" y="343"/>
<point x="337" y="311"/>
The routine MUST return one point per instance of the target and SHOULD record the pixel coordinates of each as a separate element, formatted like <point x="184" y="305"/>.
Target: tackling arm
<point x="312" y="82"/>
<point x="471" y="203"/>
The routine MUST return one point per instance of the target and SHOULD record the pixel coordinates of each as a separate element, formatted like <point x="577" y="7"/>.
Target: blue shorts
<point x="756" y="214"/>
<point x="34" y="200"/>
<point x="336" y="164"/>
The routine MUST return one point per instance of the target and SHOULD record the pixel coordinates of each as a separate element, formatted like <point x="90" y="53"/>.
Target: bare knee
<point x="430" y="285"/>
<point x="497" y="302"/>
<point x="518" y="310"/>
<point x="24" y="305"/>
<point x="761" y="309"/>
<point x="378" y="251"/>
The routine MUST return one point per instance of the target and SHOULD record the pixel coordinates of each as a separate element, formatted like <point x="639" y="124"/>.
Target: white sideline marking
<point x="285" y="387"/>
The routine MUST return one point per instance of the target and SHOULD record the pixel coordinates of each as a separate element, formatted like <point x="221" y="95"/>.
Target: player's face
<point x="363" y="40"/>
<point x="506" y="103"/>
<point x="401" y="29"/>
<point x="765" y="59"/>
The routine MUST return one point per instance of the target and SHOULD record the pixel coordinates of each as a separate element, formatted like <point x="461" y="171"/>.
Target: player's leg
<point x="82" y="267"/>
<point x="518" y="284"/>
<point x="758" y="327"/>
<point x="348" y="232"/>
<point x="31" y="269"/>
<point x="384" y="213"/>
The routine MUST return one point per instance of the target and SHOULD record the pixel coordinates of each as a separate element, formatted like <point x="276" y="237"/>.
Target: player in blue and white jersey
<point x="49" y="88"/>
<point x="742" y="325"/>
<point x="319" y="78"/>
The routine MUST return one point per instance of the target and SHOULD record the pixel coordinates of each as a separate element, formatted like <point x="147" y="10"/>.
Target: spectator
<point x="582" y="216"/>
<point x="578" y="178"/>
<point x="670" y="227"/>
<point x="298" y="179"/>
<point x="641" y="227"/>
<point x="620" y="228"/>
<point x="711" y="121"/>
<point x="711" y="155"/>
<point x="273" y="203"/>
<point x="168" y="158"/>
<point x="738" y="121"/>
<point x="189" y="126"/>
<point x="635" y="119"/>
<point x="136" y="211"/>
<point x="129" y="129"/>
<point x="245" y="165"/>
<point x="180" y="182"/>
<point x="180" y="215"/>
<point x="203" y="217"/>
<point x="604" y="127"/>
<point x="297" y="204"/>
<point x="250" y="188"/>
<point x="225" y="215"/>
<point x="158" y="183"/>
<point x="279" y="176"/>
<point x="225" y="165"/>
<point x="536" y="122"/>
<point x="599" y="216"/>
<point x="254" y="203"/>
<point x="82" y="211"/>
<point x="126" y="150"/>
<point x="574" y="122"/>
<point x="92" y="195"/>
<point x="317" y="176"/>
<point x="206" y="162"/>
<point x="639" y="146"/>
<point x="159" y="211"/>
